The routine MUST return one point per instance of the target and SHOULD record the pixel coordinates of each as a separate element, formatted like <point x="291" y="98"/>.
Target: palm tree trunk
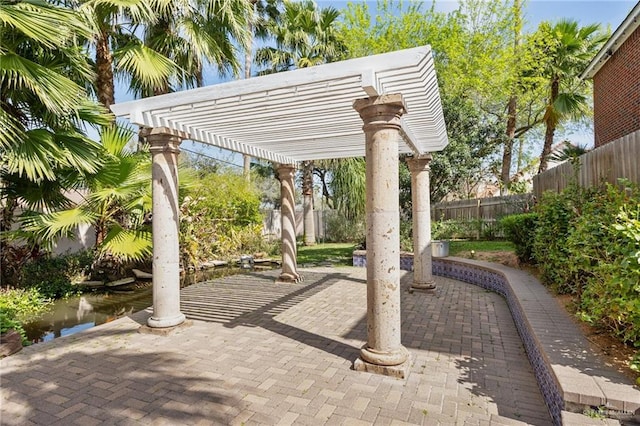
<point x="551" y="122"/>
<point x="104" y="70"/>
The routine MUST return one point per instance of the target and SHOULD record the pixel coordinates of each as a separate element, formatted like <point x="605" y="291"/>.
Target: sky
<point x="607" y="12"/>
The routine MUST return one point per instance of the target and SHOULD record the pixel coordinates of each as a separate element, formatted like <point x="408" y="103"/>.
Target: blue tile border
<point x="497" y="282"/>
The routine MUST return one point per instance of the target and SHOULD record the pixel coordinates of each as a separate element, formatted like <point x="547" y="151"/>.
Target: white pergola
<point x="310" y="114"/>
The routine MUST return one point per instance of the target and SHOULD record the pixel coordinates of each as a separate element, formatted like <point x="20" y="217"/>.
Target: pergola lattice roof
<point x="304" y="114"/>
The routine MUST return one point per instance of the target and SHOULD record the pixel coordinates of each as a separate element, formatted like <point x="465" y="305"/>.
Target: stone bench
<point x="571" y="376"/>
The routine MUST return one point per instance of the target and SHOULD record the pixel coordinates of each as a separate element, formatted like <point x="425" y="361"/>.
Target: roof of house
<point x="619" y="36"/>
<point x="304" y="114"/>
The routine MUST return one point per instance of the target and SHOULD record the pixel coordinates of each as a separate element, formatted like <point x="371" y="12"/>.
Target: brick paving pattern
<point x="279" y="354"/>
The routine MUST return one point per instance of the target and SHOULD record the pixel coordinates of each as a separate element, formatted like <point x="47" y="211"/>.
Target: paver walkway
<point x="265" y="353"/>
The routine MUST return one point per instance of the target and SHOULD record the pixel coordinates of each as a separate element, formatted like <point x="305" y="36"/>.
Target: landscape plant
<point x="220" y="217"/>
<point x="18" y="306"/>
<point x="520" y="230"/>
<point x="587" y="244"/>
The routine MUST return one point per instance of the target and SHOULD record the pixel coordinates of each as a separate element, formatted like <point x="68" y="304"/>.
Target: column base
<point x="289" y="277"/>
<point x="165" y="331"/>
<point x="166" y="322"/>
<point x="400" y="371"/>
<point x="428" y="286"/>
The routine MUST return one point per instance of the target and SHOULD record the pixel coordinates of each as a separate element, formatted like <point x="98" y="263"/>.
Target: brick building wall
<point x="616" y="93"/>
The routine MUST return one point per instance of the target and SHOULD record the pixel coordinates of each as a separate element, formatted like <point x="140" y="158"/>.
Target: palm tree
<point x="117" y="200"/>
<point x="561" y="52"/>
<point x="194" y="34"/>
<point x="119" y="50"/>
<point x="43" y="106"/>
<point x="304" y="36"/>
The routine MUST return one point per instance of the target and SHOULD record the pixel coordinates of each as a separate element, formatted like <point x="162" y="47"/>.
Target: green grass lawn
<point x="456" y="247"/>
<point x="342" y="253"/>
<point x="336" y="253"/>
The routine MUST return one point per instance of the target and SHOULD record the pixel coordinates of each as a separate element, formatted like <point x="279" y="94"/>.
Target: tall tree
<point x="559" y="52"/>
<point x="119" y="50"/>
<point x="512" y="105"/>
<point x="44" y="106"/>
<point x="304" y="35"/>
<point x="193" y="35"/>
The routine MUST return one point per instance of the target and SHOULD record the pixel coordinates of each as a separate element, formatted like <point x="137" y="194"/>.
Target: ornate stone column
<point x="383" y="353"/>
<point x="288" y="223"/>
<point x="421" y="208"/>
<point x="164" y="145"/>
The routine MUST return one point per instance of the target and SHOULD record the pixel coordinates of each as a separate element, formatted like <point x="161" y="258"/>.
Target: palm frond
<point x="34" y="157"/>
<point x="57" y="93"/>
<point x="50" y="227"/>
<point x="126" y="244"/>
<point x="42" y="22"/>
<point x="114" y="139"/>
<point x="12" y="131"/>
<point x="571" y="104"/>
<point x="145" y="65"/>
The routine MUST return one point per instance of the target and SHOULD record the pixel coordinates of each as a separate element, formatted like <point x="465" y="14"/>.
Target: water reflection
<point x="79" y="313"/>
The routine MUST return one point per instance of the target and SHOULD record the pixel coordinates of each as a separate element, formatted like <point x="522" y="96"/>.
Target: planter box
<point x="440" y="248"/>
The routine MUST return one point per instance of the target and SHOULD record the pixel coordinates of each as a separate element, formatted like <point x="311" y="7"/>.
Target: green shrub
<point x="343" y="230"/>
<point x="220" y="217"/>
<point x="53" y="277"/>
<point x="611" y="298"/>
<point x="555" y="213"/>
<point x="587" y="244"/>
<point x="18" y="306"/>
<point x="520" y="230"/>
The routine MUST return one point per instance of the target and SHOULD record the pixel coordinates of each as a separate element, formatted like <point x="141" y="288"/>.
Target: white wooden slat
<point x="306" y="113"/>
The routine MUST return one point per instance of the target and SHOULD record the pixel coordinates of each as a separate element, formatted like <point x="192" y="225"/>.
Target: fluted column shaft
<point x="421" y="211"/>
<point x="164" y="145"/>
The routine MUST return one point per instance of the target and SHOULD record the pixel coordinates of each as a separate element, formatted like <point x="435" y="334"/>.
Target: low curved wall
<point x="565" y="370"/>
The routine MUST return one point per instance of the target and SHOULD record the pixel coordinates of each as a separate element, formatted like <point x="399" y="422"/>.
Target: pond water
<point x="72" y="315"/>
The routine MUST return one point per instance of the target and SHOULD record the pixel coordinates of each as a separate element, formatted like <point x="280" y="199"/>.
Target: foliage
<point x="555" y="212"/>
<point x="54" y="277"/>
<point x="343" y="230"/>
<point x="220" y="217"/>
<point x="336" y="253"/>
<point x="520" y="230"/>
<point x="44" y="107"/>
<point x="116" y="204"/>
<point x="557" y="54"/>
<point x="611" y="298"/>
<point x="18" y="306"/>
<point x="194" y="35"/>
<point x="587" y="244"/>
<point x="304" y="35"/>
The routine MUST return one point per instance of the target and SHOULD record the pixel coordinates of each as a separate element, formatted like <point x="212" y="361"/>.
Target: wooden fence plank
<point x="615" y="160"/>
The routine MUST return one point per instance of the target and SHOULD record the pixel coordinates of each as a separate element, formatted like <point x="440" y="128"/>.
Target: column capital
<point x="381" y="111"/>
<point x="163" y="139"/>
<point x="419" y="163"/>
<point x="285" y="171"/>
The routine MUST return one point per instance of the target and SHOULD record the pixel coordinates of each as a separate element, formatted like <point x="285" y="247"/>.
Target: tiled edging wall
<point x="496" y="281"/>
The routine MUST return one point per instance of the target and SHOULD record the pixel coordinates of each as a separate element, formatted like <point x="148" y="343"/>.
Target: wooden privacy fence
<point x="477" y="218"/>
<point x="610" y="162"/>
<point x="485" y="209"/>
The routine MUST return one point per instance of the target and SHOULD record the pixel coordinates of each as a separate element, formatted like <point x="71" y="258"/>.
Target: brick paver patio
<point x="265" y="353"/>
